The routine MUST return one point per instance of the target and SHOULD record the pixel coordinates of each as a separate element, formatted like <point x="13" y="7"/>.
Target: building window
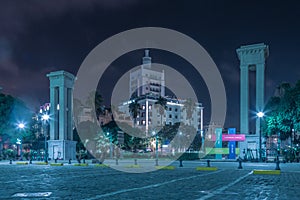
<point x="170" y="116"/>
<point x="170" y="109"/>
<point x="176" y="116"/>
<point x="143" y="122"/>
<point x="176" y="109"/>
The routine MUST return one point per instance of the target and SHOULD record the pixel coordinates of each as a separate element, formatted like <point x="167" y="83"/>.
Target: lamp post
<point x="180" y="134"/>
<point x="45" y="118"/>
<point x="110" y="144"/>
<point x="260" y="115"/>
<point x="21" y="127"/>
<point x="156" y="148"/>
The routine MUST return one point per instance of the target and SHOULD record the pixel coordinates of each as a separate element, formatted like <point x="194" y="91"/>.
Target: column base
<point x="251" y="144"/>
<point x="62" y="149"/>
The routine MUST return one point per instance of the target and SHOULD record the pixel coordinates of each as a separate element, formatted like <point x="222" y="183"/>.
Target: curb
<point x="56" y="164"/>
<point x="133" y="166"/>
<point x="81" y="164"/>
<point x="41" y="163"/>
<point x="165" y="167"/>
<point x="101" y="165"/>
<point x="267" y="172"/>
<point x="206" y="168"/>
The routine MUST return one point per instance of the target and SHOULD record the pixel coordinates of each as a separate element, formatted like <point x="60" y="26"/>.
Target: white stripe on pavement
<point x="220" y="190"/>
<point x="150" y="186"/>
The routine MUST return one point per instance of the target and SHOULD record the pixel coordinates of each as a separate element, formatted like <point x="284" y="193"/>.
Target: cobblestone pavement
<point x="91" y="182"/>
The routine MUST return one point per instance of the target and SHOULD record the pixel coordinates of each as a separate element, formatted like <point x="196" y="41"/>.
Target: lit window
<point x="143" y="122"/>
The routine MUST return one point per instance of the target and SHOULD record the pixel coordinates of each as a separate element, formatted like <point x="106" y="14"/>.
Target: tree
<point x="134" y="108"/>
<point x="284" y="112"/>
<point x="188" y="106"/>
<point x="161" y="103"/>
<point x="12" y="112"/>
<point x="95" y="99"/>
<point x="6" y="107"/>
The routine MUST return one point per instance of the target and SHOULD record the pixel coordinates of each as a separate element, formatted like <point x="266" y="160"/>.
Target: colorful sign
<point x="231" y="144"/>
<point x="218" y="132"/>
<point x="231" y="137"/>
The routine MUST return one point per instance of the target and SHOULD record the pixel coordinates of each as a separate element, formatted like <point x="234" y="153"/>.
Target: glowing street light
<point x="260" y="115"/>
<point x="21" y="126"/>
<point x="156" y="147"/>
<point x="45" y="117"/>
<point x="110" y="144"/>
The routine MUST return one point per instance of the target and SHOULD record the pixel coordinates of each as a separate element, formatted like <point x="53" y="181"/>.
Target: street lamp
<point x="45" y="118"/>
<point x="110" y="144"/>
<point x="180" y="134"/>
<point x="21" y="126"/>
<point x="260" y="115"/>
<point x="156" y="147"/>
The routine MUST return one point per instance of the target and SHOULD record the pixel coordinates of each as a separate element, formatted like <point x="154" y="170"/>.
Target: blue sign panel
<point x="231" y="144"/>
<point x="218" y="132"/>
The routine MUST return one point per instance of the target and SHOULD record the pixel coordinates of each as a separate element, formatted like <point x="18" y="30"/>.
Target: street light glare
<point x="260" y="114"/>
<point x="21" y="125"/>
<point x="45" y="117"/>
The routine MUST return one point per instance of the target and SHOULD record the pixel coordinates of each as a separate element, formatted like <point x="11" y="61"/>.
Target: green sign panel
<point x="220" y="151"/>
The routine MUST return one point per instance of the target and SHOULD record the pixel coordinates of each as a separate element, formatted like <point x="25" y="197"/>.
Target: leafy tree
<point x="134" y="108"/>
<point x="161" y="103"/>
<point x="12" y="112"/>
<point x="283" y="111"/>
<point x="6" y="107"/>
<point x="188" y="106"/>
<point x="95" y="99"/>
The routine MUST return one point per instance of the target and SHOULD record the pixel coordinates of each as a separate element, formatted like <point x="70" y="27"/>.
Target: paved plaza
<point x="91" y="182"/>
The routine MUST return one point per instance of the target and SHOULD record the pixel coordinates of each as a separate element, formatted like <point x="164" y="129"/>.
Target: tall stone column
<point x="252" y="57"/>
<point x="61" y="144"/>
<point x="244" y="100"/>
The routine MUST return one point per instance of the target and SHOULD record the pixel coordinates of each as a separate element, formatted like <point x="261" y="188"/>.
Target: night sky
<point x="37" y="37"/>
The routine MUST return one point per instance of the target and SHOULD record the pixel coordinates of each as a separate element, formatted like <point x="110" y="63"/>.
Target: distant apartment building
<point x="145" y="87"/>
<point x="146" y="80"/>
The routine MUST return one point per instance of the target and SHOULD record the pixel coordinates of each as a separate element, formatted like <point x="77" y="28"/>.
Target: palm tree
<point x="188" y="107"/>
<point x="162" y="104"/>
<point x="134" y="108"/>
<point x="95" y="99"/>
<point x="77" y="109"/>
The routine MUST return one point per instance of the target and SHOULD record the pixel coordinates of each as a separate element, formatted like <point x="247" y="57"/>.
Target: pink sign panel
<point x="230" y="137"/>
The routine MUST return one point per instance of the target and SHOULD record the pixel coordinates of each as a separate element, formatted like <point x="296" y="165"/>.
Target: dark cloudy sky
<point x="37" y="37"/>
